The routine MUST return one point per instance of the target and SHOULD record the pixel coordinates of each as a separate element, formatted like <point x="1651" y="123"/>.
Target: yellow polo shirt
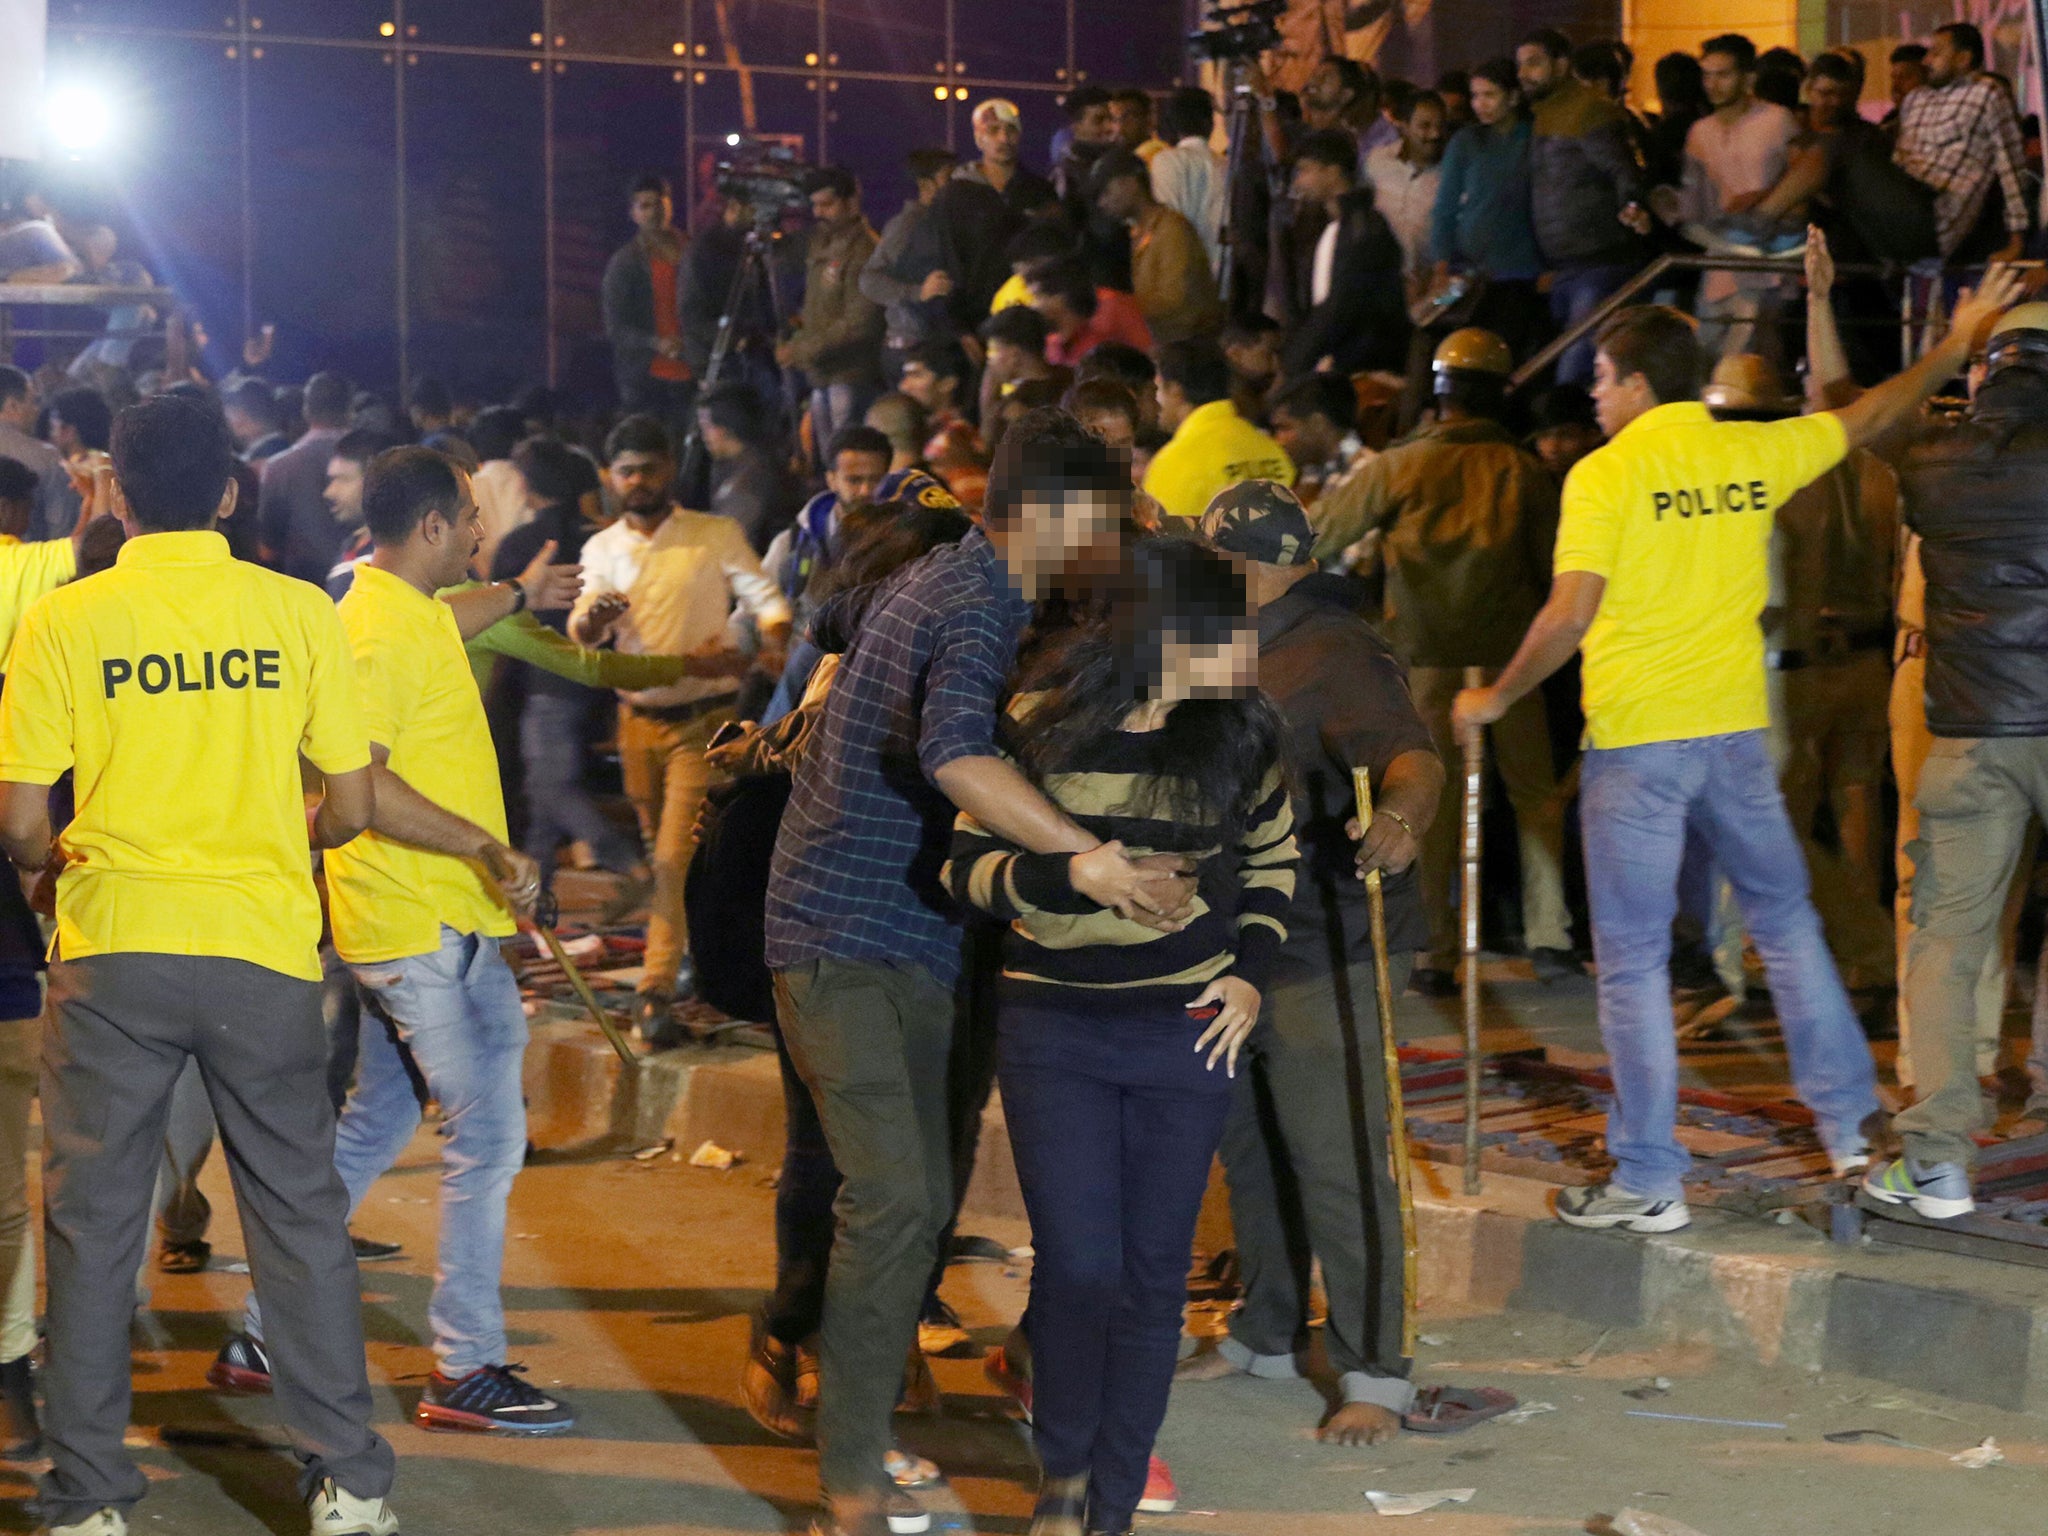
<point x="1676" y="513"/>
<point x="182" y="685"/>
<point x="1213" y="450"/>
<point x="27" y="571"/>
<point x="387" y="899"/>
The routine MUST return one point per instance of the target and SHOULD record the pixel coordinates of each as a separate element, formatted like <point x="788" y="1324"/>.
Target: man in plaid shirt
<point x="1955" y="133"/>
<point x="866" y="948"/>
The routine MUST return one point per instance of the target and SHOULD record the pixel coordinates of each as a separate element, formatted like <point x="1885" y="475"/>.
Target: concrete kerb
<point x="1780" y="1295"/>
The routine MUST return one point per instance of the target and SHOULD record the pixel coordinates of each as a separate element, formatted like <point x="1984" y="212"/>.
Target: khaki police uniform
<point x="183" y="686"/>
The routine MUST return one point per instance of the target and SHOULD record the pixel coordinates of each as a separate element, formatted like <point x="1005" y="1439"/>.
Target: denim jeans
<point x="454" y="1016"/>
<point x="1635" y="805"/>
<point x="1575" y="292"/>
<point x="558" y="805"/>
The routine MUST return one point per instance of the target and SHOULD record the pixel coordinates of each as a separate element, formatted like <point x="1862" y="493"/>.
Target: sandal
<point x="1451" y="1410"/>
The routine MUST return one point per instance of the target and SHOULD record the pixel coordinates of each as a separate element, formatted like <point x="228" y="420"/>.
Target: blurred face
<point x="1113" y="427"/>
<point x="1096" y="125"/>
<point x="1946" y="63"/>
<point x="1457" y="108"/>
<point x="1122" y="199"/>
<point x="1832" y="101"/>
<point x="1325" y="91"/>
<point x="1191" y="671"/>
<point x="1133" y="121"/>
<point x="640" y="481"/>
<point x="1906" y="77"/>
<point x="921" y="384"/>
<point x="1491" y="104"/>
<point x="1562" y="447"/>
<point x="1307" y="439"/>
<point x="1537" y="71"/>
<point x="828" y="207"/>
<point x="1253" y="360"/>
<point x="1422" y="136"/>
<point x="1007" y="358"/>
<point x="1054" y="308"/>
<point x="854" y="477"/>
<point x="651" y="211"/>
<point x="1315" y="182"/>
<point x="997" y="140"/>
<point x="1723" y="77"/>
<point x="345" y="491"/>
<point x="1077" y="534"/>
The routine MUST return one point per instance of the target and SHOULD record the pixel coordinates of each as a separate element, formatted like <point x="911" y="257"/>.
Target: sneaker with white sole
<point x="1938" y="1191"/>
<point x="1609" y="1205"/>
<point x="337" y="1512"/>
<point x="491" y="1400"/>
<point x="1162" y="1493"/>
<point x="106" y="1522"/>
<point x="905" y="1515"/>
<point x="1850" y="1161"/>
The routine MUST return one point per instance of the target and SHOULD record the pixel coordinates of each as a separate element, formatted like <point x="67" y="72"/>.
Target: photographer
<point x="838" y="337"/>
<point x="713" y="261"/>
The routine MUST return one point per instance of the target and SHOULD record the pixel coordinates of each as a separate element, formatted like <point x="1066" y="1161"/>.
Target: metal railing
<point x="74" y="296"/>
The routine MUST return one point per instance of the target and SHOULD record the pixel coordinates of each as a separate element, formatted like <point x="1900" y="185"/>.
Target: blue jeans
<point x="559" y="807"/>
<point x="1635" y="805"/>
<point x="454" y="1017"/>
<point x="1575" y="292"/>
<point x="1114" y="1122"/>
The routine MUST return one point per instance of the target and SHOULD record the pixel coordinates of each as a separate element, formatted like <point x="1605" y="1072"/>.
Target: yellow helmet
<point x="1746" y="382"/>
<point x="1473" y="350"/>
<point x="2020" y="334"/>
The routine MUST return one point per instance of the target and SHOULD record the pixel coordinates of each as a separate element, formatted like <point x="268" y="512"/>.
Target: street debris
<point x="1656" y="1386"/>
<point x="1586" y="1356"/>
<point x="1416" y="1503"/>
<point x="1526" y="1412"/>
<point x="1694" y="1418"/>
<point x="649" y="1154"/>
<point x="1984" y="1454"/>
<point x="712" y="1155"/>
<point x="1640" y="1522"/>
<point x="1433" y="1340"/>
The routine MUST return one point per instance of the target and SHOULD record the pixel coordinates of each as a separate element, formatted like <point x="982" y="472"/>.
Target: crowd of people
<point x="988" y="655"/>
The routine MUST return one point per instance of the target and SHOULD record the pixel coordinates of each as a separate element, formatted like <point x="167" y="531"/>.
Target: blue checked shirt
<point x="856" y="871"/>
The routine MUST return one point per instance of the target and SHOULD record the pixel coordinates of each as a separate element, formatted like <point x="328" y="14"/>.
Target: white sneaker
<point x="108" y="1522"/>
<point x="1609" y="1205"/>
<point x="337" y="1512"/>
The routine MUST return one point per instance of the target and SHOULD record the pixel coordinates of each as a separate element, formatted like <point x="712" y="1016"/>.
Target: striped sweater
<point x="1063" y="947"/>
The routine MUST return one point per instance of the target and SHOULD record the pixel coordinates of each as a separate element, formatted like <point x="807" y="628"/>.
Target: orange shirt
<point x="662" y="272"/>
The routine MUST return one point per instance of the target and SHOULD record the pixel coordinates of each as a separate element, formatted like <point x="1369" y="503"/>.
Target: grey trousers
<point x="1976" y="798"/>
<point x="873" y="1043"/>
<point x="1311" y="1176"/>
<point x="20" y="1045"/>
<point x="121" y="1030"/>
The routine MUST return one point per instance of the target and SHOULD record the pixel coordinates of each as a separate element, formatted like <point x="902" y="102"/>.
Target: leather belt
<point x="676" y="714"/>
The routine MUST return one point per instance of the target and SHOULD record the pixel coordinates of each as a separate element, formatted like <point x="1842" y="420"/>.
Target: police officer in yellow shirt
<point x="183" y="687"/>
<point x="419" y="905"/>
<point x="1661" y="573"/>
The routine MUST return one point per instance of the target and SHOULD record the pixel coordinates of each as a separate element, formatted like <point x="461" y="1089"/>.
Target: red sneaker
<point x="1008" y="1379"/>
<point x="1162" y="1494"/>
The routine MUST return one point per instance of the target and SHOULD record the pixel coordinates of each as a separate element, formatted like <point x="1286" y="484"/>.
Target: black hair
<point x="85" y="411"/>
<point x="1198" y="366"/>
<point x="1453" y="82"/>
<point x="1362" y="81"/>
<point x="255" y="400"/>
<point x="942" y="357"/>
<point x="496" y="431"/>
<point x="1735" y="46"/>
<point x="1083" y="98"/>
<point x="362" y="444"/>
<point x="1599" y="62"/>
<point x="1779" y="75"/>
<point x="1038" y="242"/>
<point x="173" y="456"/>
<point x="1066" y="278"/>
<point x="1661" y="344"/>
<point x="1550" y="40"/>
<point x="1909" y="53"/>
<point x="639" y="434"/>
<point x="432" y="396"/>
<point x="1963" y="35"/>
<point x="1499" y="72"/>
<point x="1397" y="96"/>
<point x="649" y="181"/>
<point x="859" y="439"/>
<point x="1222" y="751"/>
<point x="328" y="397"/>
<point x="1417" y="99"/>
<point x="1680" y="88"/>
<point x="401" y="486"/>
<point x="1047" y="454"/>
<point x="1248" y="330"/>
<point x="1331" y="147"/>
<point x="1133" y="96"/>
<point x="1019" y="325"/>
<point x="874" y="542"/>
<point x="1328" y="395"/>
<point x="17" y="481"/>
<point x="1121" y="361"/>
<point x="736" y="408"/>
<point x="929" y="164"/>
<point x="1190" y="112"/>
<point x="1563" y="405"/>
<point x="14" y="384"/>
<point x="1088" y="396"/>
<point x="836" y="179"/>
<point x="554" y="471"/>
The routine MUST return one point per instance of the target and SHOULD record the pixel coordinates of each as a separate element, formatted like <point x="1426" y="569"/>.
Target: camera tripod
<point x="755" y="267"/>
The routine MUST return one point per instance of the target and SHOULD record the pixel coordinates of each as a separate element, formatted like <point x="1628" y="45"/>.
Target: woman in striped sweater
<point x="1117" y="1042"/>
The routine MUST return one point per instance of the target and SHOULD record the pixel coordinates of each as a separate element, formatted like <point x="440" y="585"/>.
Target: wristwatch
<point x="518" y="597"/>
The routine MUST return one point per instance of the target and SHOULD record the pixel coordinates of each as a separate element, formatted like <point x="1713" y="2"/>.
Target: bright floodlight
<point x="733" y="139"/>
<point x="81" y="118"/>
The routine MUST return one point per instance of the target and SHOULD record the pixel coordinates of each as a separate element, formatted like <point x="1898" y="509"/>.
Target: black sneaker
<point x="370" y="1251"/>
<point x="654" y="1016"/>
<point x="21" y="1435"/>
<point x="491" y="1400"/>
<point x="184" y="1258"/>
<point x="768" y="1385"/>
<point x="241" y="1366"/>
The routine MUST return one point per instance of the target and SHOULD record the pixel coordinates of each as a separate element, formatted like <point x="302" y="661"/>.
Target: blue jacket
<point x="1482" y="203"/>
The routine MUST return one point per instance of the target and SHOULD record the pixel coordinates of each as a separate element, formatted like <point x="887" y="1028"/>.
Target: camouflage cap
<point x="1261" y="520"/>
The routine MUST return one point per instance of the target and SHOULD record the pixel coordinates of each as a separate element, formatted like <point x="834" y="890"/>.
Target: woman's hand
<point x="1237" y="1002"/>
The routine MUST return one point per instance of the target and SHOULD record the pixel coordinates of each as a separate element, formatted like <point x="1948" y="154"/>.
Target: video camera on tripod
<point x="765" y="174"/>
<point x="1239" y="31"/>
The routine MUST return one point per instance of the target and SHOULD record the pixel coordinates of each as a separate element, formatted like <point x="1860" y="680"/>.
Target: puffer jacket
<point x="1582" y="173"/>
<point x="1977" y="494"/>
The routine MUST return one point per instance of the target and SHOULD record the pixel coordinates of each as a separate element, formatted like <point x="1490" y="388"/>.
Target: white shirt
<point x="502" y="503"/>
<point x="1325" y="263"/>
<point x="1189" y="178"/>
<point x="688" y="581"/>
<point x="1405" y="195"/>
